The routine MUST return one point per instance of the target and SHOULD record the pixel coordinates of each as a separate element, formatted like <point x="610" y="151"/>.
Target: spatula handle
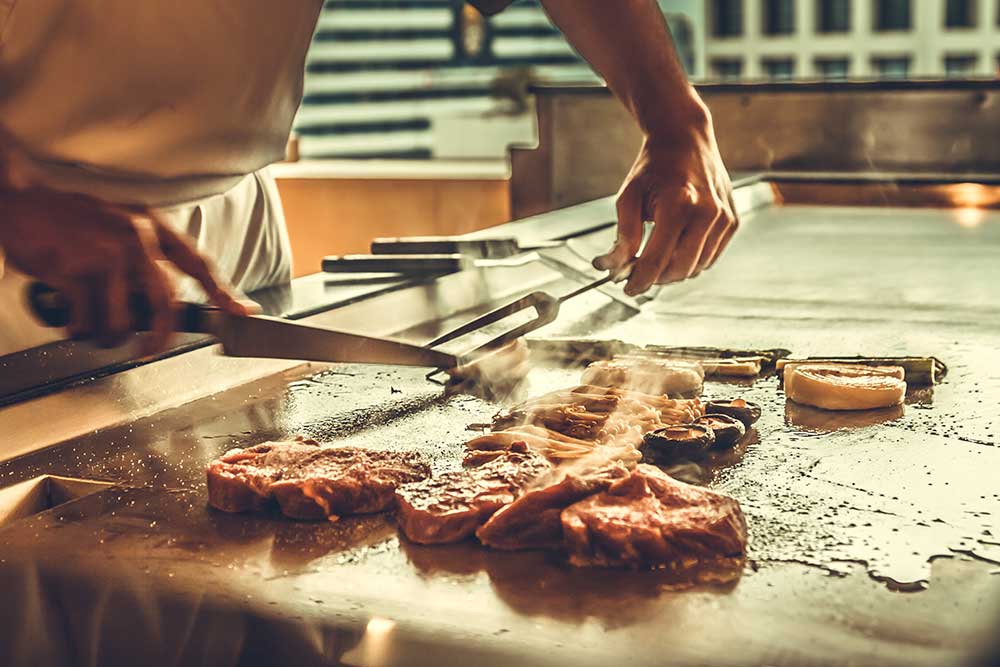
<point x="53" y="309"/>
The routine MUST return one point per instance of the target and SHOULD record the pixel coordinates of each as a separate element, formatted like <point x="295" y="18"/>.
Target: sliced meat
<point x="570" y="419"/>
<point x="649" y="519"/>
<point x="240" y="480"/>
<point x="532" y="521"/>
<point x="310" y="482"/>
<point x="450" y="507"/>
<point x="551" y="444"/>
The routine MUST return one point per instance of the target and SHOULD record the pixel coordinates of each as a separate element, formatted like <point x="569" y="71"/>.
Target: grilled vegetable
<point x="728" y="430"/>
<point x="845" y="386"/>
<point x="674" y="443"/>
<point x="919" y="370"/>
<point x="745" y="411"/>
<point x="768" y="357"/>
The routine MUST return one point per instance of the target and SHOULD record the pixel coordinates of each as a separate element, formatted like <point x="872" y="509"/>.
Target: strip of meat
<point x="550" y="444"/>
<point x="310" y="482"/>
<point x="649" y="519"/>
<point x="624" y="425"/>
<point x="654" y="400"/>
<point x="450" y="507"/>
<point x="570" y="419"/>
<point x="533" y="520"/>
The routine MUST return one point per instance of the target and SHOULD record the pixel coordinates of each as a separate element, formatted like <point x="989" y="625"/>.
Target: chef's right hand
<point x="98" y="254"/>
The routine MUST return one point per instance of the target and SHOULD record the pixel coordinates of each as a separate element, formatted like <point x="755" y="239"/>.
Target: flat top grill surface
<point x="842" y="513"/>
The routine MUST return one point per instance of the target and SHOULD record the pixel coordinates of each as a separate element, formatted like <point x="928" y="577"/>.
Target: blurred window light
<point x="960" y="65"/>
<point x="778" y="69"/>
<point x="727" y="69"/>
<point x="833" y="69"/>
<point x="891" y="67"/>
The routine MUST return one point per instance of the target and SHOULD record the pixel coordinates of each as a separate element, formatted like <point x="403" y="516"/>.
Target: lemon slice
<point x="845" y="386"/>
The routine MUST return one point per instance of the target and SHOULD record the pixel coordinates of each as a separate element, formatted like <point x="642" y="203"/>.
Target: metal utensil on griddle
<point x="487" y="248"/>
<point x="415" y="264"/>
<point x="259" y="335"/>
<point x="441" y="264"/>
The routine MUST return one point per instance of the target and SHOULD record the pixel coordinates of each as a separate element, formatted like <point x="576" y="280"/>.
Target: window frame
<point x="818" y="13"/>
<point x="876" y="58"/>
<point x="844" y="58"/>
<point x="973" y="17"/>
<point x="766" y="17"/>
<point x="971" y="56"/>
<point x="714" y="61"/>
<point x="876" y="14"/>
<point x="768" y="59"/>
<point x="713" y="23"/>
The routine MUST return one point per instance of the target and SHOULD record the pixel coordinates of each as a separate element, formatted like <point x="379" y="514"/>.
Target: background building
<point x="836" y="39"/>
<point x="405" y="79"/>
<point x="434" y="79"/>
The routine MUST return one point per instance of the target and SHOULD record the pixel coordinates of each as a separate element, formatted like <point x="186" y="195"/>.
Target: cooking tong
<point x="438" y="255"/>
<point x="546" y="310"/>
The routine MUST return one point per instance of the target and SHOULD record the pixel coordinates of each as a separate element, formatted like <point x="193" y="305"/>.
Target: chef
<point x="135" y="139"/>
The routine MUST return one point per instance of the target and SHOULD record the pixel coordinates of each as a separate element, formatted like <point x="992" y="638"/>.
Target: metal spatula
<point x="261" y="336"/>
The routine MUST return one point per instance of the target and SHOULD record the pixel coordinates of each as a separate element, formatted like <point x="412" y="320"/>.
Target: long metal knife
<point x="262" y="336"/>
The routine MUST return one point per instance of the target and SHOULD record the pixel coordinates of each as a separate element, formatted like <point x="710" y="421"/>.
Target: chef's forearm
<point x="628" y="43"/>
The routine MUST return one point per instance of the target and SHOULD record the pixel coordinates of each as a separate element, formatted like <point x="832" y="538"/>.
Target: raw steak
<point x="650" y="519"/>
<point x="449" y="507"/>
<point x="309" y="481"/>
<point x="532" y="521"/>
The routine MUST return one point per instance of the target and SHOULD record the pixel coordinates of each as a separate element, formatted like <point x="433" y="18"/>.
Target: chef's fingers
<point x="77" y="291"/>
<point x="727" y="236"/>
<point x="667" y="228"/>
<point x="113" y="320"/>
<point x="155" y="285"/>
<point x="180" y="251"/>
<point x="159" y="293"/>
<point x="684" y="262"/>
<point x="720" y="234"/>
<point x="630" y="229"/>
<point x="712" y="240"/>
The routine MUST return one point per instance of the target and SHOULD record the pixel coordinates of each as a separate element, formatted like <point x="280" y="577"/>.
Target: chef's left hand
<point x="679" y="182"/>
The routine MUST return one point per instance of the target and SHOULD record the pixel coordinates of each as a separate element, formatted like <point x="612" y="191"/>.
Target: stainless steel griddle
<point x="874" y="539"/>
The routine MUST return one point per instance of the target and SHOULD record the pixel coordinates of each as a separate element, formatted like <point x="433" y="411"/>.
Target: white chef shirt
<point x="176" y="104"/>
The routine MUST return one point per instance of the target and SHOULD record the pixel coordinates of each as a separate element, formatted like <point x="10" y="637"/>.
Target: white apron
<point x="176" y="104"/>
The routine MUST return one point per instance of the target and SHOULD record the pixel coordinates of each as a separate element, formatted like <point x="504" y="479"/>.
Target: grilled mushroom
<point x="674" y="443"/>
<point x="728" y="430"/>
<point x="745" y="411"/>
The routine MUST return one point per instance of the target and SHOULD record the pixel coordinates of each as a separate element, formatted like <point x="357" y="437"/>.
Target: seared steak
<point x="308" y="481"/>
<point x="240" y="481"/>
<point x="532" y="521"/>
<point x="449" y="507"/>
<point x="650" y="519"/>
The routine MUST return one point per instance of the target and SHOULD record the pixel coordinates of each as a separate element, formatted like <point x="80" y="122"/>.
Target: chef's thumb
<point x="615" y="258"/>
<point x="626" y="246"/>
